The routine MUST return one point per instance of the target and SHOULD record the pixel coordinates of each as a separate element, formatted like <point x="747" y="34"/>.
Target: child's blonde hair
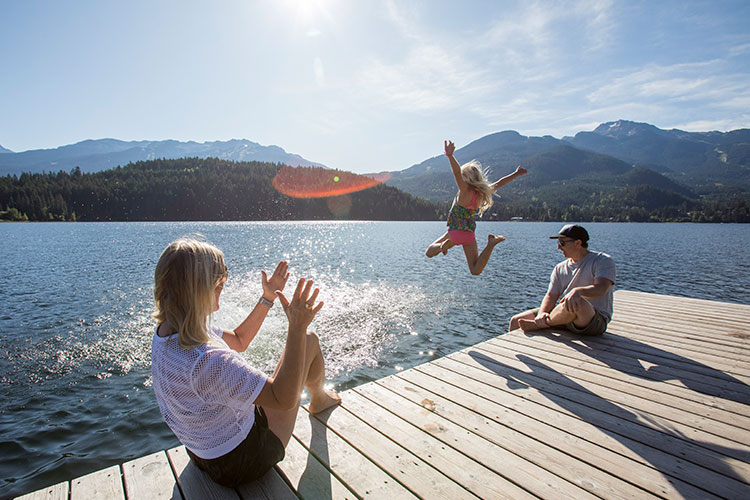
<point x="185" y="281"/>
<point x="476" y="178"/>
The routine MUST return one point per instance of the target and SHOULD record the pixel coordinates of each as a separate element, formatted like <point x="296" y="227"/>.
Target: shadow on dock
<point x="311" y="482"/>
<point x="664" y="448"/>
<point x="660" y="365"/>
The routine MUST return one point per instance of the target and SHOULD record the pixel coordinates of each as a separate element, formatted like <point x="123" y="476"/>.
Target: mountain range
<point x="615" y="154"/>
<point x="615" y="157"/>
<point x="102" y="154"/>
<point x="620" y="171"/>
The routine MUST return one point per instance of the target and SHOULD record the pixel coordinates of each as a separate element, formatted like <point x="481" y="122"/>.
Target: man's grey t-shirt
<point x="568" y="275"/>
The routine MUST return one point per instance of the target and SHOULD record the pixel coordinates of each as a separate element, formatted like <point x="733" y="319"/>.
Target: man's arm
<point x="599" y="288"/>
<point x="548" y="303"/>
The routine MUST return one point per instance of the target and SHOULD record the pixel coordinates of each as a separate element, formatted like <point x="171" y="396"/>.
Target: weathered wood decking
<point x="657" y="408"/>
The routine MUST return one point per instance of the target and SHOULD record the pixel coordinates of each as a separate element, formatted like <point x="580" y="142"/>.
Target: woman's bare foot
<point x="494" y="240"/>
<point x="323" y="401"/>
<point x="529" y="325"/>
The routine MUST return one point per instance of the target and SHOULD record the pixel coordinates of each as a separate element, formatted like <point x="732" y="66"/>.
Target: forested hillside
<point x="191" y="189"/>
<point x="212" y="189"/>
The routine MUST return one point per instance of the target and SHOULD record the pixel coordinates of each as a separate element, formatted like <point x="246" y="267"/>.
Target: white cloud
<point x="708" y="80"/>
<point x="404" y="18"/>
<point x="706" y="125"/>
<point x="428" y="79"/>
<point x="504" y="70"/>
<point x="739" y="50"/>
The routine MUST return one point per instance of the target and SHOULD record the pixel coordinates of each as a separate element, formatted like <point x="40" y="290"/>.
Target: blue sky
<point x="365" y="85"/>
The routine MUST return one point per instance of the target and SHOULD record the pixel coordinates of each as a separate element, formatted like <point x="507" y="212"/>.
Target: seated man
<point x="584" y="280"/>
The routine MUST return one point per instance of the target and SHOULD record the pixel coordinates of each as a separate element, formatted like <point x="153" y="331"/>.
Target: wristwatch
<point x="266" y="302"/>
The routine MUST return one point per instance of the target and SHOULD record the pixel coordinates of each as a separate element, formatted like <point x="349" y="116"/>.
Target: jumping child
<point x="474" y="195"/>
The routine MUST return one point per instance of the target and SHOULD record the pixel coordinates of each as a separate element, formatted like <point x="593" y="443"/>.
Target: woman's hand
<point x="302" y="309"/>
<point x="520" y="171"/>
<point x="277" y="282"/>
<point x="449" y="148"/>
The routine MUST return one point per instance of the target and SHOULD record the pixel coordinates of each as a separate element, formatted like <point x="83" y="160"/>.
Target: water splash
<point x="357" y="323"/>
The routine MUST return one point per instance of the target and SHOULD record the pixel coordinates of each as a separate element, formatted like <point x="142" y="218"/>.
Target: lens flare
<point x="316" y="182"/>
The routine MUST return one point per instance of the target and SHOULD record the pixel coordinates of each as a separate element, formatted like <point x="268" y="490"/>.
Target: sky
<point x="365" y="85"/>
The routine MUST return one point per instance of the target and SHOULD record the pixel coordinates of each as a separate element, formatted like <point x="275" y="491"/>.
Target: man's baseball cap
<point x="572" y="231"/>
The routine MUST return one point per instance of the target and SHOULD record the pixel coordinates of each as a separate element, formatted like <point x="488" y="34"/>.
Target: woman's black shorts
<point x="250" y="460"/>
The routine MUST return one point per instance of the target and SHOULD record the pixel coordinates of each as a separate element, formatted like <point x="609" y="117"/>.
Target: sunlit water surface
<point x="76" y="328"/>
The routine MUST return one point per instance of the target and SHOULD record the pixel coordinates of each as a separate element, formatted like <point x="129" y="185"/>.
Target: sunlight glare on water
<point x="76" y="328"/>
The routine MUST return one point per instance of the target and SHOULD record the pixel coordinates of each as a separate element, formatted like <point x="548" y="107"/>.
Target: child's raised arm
<point x="455" y="167"/>
<point x="505" y="180"/>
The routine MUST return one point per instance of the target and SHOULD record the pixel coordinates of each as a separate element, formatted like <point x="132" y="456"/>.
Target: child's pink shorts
<point x="462" y="237"/>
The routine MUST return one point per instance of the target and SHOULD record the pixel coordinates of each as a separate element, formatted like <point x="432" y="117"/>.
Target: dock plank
<point x="524" y="473"/>
<point x="638" y="464"/>
<point x="545" y="447"/>
<point x="642" y="402"/>
<point x="552" y="407"/>
<point x="713" y="391"/>
<point x="474" y="476"/>
<point x="355" y="470"/>
<point x="57" y="491"/>
<point x="309" y="477"/>
<point x="194" y="483"/>
<point x="658" y="407"/>
<point x="393" y="458"/>
<point x="150" y="477"/>
<point x="270" y="487"/>
<point x="580" y="367"/>
<point x="105" y="484"/>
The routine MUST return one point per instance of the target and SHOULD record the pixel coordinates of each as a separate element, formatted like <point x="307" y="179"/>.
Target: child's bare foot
<point x="494" y="240"/>
<point x="447" y="244"/>
<point x="433" y="250"/>
<point x="529" y="325"/>
<point x="323" y="401"/>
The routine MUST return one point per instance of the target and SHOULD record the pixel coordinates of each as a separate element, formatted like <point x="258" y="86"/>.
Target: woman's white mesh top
<point x="205" y="394"/>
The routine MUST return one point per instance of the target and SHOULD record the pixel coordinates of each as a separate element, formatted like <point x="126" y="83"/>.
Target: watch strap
<point x="266" y="302"/>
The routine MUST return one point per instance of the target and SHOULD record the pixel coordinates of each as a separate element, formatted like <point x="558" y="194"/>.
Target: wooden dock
<point x="659" y="407"/>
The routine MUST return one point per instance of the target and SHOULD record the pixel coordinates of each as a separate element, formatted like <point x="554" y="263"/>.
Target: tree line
<point x="198" y="189"/>
<point x="193" y="189"/>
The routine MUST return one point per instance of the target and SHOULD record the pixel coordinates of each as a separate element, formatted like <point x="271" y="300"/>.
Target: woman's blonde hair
<point x="476" y="178"/>
<point x="185" y="281"/>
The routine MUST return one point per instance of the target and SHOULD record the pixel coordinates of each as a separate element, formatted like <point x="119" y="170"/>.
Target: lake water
<point x="76" y="332"/>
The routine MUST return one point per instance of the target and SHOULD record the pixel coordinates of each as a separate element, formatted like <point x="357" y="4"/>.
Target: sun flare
<point x="308" y="12"/>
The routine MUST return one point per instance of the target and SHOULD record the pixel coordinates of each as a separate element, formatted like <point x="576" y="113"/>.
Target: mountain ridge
<point x="687" y="163"/>
<point x="95" y="155"/>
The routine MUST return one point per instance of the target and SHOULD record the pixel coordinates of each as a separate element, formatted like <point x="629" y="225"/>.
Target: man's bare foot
<point x="494" y="240"/>
<point x="529" y="325"/>
<point x="323" y="401"/>
<point x="433" y="250"/>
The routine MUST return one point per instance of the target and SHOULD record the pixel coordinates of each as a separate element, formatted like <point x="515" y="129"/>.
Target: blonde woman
<point x="234" y="420"/>
<point x="474" y="195"/>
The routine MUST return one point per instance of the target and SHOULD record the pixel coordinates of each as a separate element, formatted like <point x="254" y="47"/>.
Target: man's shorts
<point x="596" y="326"/>
<point x="250" y="460"/>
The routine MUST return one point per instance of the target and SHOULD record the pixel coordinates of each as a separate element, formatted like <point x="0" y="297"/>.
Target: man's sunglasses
<point x="562" y="242"/>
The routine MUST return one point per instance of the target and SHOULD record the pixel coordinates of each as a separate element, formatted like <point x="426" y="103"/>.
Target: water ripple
<point x="76" y="328"/>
